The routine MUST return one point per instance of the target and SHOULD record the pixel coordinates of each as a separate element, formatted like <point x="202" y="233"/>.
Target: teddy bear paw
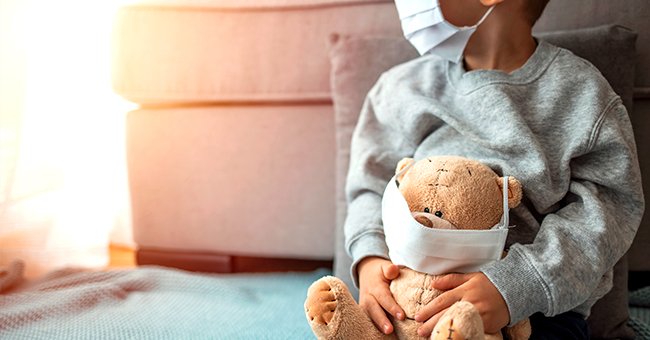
<point x="461" y="321"/>
<point x="447" y="331"/>
<point x="321" y="303"/>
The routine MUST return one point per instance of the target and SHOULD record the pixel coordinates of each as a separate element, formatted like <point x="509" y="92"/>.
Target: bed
<point x="243" y="103"/>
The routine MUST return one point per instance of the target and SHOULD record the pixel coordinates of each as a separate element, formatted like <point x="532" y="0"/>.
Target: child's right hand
<point x="375" y="275"/>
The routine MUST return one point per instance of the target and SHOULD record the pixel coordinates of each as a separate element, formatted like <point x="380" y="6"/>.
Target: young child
<point x="527" y="109"/>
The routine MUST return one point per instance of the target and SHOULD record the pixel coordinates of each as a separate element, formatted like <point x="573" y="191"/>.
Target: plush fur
<point x="442" y="192"/>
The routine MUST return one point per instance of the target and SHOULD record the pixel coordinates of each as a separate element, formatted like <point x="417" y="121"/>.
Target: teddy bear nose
<point x="432" y="221"/>
<point x="423" y="220"/>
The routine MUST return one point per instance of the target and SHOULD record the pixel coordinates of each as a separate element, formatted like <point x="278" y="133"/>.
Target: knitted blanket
<point x="156" y="303"/>
<point x="640" y="313"/>
<point x="162" y="303"/>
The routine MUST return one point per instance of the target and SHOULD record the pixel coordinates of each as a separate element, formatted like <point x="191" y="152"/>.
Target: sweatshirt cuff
<point x="371" y="244"/>
<point x="520" y="285"/>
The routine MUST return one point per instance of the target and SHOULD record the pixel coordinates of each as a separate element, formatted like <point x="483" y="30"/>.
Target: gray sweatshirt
<point x="555" y="124"/>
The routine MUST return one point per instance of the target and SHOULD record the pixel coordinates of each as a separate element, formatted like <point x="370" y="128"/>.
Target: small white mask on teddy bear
<point x="438" y="250"/>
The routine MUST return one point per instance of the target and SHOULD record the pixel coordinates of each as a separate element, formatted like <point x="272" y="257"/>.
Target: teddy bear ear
<point x="403" y="164"/>
<point x="514" y="191"/>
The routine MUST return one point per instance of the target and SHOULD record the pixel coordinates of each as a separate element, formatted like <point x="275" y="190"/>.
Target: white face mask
<point x="438" y="251"/>
<point x="426" y="28"/>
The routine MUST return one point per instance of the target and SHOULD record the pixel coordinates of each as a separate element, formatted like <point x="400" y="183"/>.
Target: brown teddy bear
<point x="446" y="192"/>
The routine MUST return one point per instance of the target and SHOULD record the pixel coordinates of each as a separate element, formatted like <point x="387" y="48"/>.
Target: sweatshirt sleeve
<point x="578" y="245"/>
<point x="378" y="143"/>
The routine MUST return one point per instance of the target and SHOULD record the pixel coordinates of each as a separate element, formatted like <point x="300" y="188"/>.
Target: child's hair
<point x="534" y="9"/>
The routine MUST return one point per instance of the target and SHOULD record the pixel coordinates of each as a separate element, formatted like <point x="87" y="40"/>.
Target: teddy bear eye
<point x="438" y="213"/>
<point x="426" y="210"/>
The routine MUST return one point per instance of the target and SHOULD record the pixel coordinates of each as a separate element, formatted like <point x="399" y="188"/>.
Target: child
<point x="527" y="109"/>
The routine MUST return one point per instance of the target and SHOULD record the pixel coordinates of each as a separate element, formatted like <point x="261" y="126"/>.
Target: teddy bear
<point x="447" y="192"/>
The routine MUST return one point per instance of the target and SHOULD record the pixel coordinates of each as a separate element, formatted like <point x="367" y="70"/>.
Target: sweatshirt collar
<point x="466" y="82"/>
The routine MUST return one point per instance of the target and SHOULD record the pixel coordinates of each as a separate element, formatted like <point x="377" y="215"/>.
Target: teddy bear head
<point x="451" y="192"/>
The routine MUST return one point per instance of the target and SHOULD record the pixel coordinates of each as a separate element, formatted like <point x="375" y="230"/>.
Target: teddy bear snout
<point x="432" y="221"/>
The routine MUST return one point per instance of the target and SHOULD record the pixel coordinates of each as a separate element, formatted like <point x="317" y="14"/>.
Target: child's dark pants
<point x="568" y="325"/>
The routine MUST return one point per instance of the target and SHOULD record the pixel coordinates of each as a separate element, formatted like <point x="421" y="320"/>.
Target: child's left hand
<point x="473" y="287"/>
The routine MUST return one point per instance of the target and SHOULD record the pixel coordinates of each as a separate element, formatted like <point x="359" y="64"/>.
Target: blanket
<point x="161" y="303"/>
<point x="640" y="313"/>
<point x="155" y="303"/>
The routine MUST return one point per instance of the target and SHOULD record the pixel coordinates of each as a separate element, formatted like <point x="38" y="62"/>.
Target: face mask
<point x="426" y="28"/>
<point x="438" y="251"/>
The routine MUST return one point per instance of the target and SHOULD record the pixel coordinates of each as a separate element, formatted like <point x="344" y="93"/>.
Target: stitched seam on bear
<point x="438" y="173"/>
<point x="421" y="291"/>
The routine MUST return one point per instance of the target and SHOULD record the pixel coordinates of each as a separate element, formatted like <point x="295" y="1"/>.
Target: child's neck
<point x="503" y="45"/>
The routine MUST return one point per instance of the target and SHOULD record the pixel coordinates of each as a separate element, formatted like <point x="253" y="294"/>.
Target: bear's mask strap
<point x="401" y="172"/>
<point x="505" y="219"/>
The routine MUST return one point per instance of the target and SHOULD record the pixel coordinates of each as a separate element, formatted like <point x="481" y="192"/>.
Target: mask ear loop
<point x="505" y="219"/>
<point x="484" y="17"/>
<point x="401" y="172"/>
<point x="475" y="25"/>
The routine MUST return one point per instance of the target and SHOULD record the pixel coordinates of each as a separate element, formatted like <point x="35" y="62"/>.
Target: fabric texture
<point x="640" y="312"/>
<point x="158" y="303"/>
<point x="359" y="51"/>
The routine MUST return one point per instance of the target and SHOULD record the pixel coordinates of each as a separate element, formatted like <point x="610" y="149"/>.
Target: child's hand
<point x="375" y="275"/>
<point x="473" y="287"/>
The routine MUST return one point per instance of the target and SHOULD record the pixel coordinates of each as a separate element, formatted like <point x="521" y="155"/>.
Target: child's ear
<point x="403" y="164"/>
<point x="515" y="192"/>
<point x="489" y="3"/>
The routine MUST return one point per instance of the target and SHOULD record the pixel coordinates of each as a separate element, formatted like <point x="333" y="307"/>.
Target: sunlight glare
<point x="72" y="137"/>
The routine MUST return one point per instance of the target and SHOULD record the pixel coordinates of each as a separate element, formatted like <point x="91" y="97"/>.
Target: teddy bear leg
<point x="461" y="321"/>
<point x="407" y="329"/>
<point x="333" y="314"/>
<point x="519" y="331"/>
<point x="496" y="336"/>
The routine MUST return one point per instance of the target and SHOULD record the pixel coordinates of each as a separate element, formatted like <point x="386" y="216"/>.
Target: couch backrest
<point x="228" y="51"/>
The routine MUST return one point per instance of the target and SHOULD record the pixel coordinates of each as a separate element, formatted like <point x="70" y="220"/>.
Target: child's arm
<point x="379" y="141"/>
<point x="568" y="266"/>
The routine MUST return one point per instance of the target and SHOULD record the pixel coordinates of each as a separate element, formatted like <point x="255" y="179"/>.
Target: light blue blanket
<point x="159" y="303"/>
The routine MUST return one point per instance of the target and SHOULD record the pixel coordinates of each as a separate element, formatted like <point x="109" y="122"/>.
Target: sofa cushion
<point x="357" y="63"/>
